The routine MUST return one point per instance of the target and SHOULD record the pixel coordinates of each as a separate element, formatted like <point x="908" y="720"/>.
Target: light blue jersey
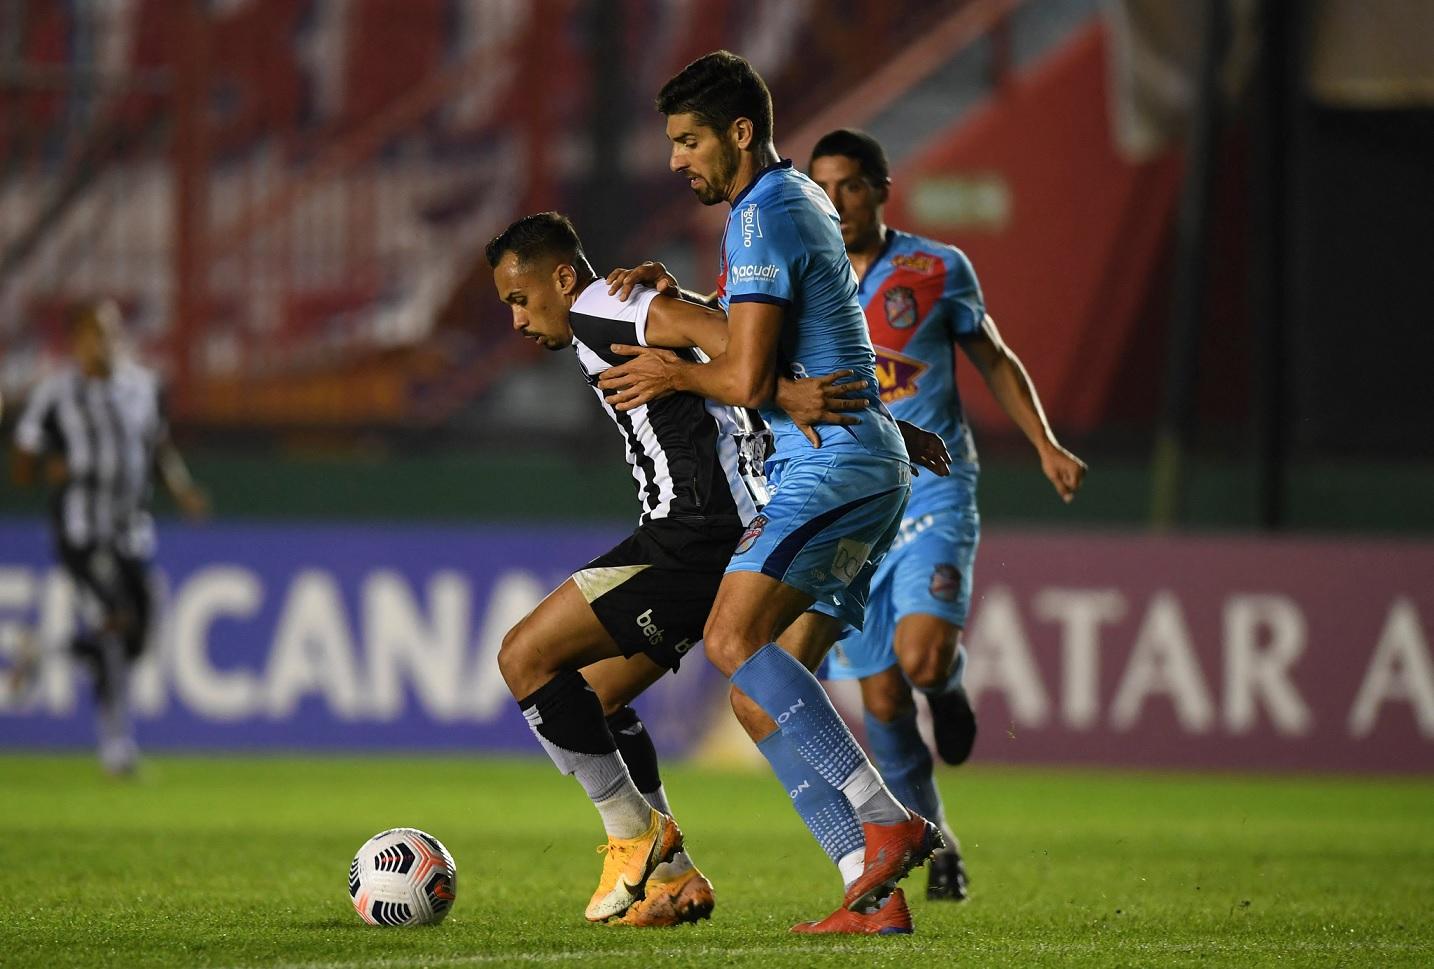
<point x="834" y="511"/>
<point x="920" y="296"/>
<point x="783" y="245"/>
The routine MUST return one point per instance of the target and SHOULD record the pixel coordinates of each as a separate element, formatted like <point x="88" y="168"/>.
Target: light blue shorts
<point x="927" y="571"/>
<point x="832" y="516"/>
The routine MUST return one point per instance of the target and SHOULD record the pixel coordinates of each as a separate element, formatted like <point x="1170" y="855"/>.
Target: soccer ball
<point x="403" y="876"/>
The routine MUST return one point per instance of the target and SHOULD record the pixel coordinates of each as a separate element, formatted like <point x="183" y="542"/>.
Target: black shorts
<point x="653" y="591"/>
<point x="118" y="584"/>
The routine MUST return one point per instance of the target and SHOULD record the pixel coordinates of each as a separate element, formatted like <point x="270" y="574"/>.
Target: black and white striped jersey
<point x="691" y="458"/>
<point x="106" y="429"/>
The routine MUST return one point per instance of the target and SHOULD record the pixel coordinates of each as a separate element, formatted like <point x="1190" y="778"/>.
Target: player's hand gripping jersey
<point x="691" y="458"/>
<point x="698" y="469"/>
<point x="783" y="245"/>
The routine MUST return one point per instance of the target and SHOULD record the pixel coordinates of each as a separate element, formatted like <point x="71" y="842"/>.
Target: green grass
<point x="242" y="862"/>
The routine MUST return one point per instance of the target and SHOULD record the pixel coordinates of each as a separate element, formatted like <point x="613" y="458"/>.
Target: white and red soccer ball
<point x="403" y="876"/>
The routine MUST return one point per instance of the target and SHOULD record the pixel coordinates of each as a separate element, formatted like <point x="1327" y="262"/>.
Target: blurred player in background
<point x="96" y="433"/>
<point x="921" y="297"/>
<point x="790" y="298"/>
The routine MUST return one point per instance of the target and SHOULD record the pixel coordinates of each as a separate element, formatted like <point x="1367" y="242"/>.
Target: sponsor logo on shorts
<point x="945" y="582"/>
<point x="649" y="628"/>
<point x="850" y="556"/>
<point x="750" y="536"/>
<point x="911" y="527"/>
<point x="900" y="305"/>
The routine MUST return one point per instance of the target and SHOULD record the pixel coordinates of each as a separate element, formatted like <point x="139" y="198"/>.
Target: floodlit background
<point x="1204" y="229"/>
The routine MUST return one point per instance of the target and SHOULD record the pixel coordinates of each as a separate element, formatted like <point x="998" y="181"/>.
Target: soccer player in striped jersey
<point x="99" y="430"/>
<point x="791" y="301"/>
<point x="922" y="301"/>
<point x="631" y="615"/>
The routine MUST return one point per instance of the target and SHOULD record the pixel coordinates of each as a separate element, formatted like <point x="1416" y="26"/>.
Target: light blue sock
<point x="823" y="808"/>
<point x="789" y="694"/>
<point x="905" y="763"/>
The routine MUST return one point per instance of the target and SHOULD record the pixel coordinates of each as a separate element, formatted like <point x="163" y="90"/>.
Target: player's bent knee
<point x="725" y="650"/>
<point x="515" y="662"/>
<point x="753" y="719"/>
<point x="929" y="674"/>
<point x="928" y="660"/>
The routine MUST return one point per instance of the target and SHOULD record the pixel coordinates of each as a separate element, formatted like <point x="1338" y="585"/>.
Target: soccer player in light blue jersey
<point x="921" y="298"/>
<point x="791" y="301"/>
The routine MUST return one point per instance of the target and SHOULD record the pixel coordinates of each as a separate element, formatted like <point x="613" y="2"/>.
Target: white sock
<point x="851" y="865"/>
<point x="680" y="863"/>
<point x="625" y="814"/>
<point x="658" y="800"/>
<point x="668" y="870"/>
<point x="870" y="799"/>
<point x="116" y="734"/>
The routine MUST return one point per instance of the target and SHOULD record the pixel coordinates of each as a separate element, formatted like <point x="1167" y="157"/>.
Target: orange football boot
<point x="892" y="918"/>
<point x="892" y="850"/>
<point x="685" y="897"/>
<point x="629" y="861"/>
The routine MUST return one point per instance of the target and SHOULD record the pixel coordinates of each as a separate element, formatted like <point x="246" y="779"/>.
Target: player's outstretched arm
<point x="744" y="376"/>
<point x="34" y="438"/>
<point x="1011" y="386"/>
<point x="23" y="467"/>
<point x="192" y="500"/>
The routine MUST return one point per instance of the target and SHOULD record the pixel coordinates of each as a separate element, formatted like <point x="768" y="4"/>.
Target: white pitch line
<point x="981" y="948"/>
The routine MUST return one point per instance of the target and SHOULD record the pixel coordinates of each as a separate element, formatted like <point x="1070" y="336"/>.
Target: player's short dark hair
<point x="717" y="89"/>
<point x="90" y="313"/>
<point x="535" y="236"/>
<point x="861" y="148"/>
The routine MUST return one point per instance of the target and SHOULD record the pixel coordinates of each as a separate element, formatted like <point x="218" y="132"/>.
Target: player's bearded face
<point x="706" y="158"/>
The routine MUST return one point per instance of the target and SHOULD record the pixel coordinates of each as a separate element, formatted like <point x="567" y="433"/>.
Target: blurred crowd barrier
<point x="1137" y="651"/>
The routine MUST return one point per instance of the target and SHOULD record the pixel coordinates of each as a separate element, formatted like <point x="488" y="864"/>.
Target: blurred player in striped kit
<point x="96" y="432"/>
<point x="922" y="300"/>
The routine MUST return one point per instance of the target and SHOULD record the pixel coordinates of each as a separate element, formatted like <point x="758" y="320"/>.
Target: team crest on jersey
<point x="917" y="262"/>
<point x="900" y="307"/>
<point x="897" y="374"/>
<point x="945" y="582"/>
<point x="753" y="532"/>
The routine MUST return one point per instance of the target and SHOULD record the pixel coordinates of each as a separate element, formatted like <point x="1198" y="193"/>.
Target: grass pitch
<point x="242" y="862"/>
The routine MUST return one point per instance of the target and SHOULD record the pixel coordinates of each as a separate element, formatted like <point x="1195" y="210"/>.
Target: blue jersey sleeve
<point x="965" y="305"/>
<point x="765" y="256"/>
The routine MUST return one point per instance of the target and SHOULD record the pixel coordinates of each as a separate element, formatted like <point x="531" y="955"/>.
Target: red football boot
<point x="892" y="918"/>
<point x="892" y="850"/>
